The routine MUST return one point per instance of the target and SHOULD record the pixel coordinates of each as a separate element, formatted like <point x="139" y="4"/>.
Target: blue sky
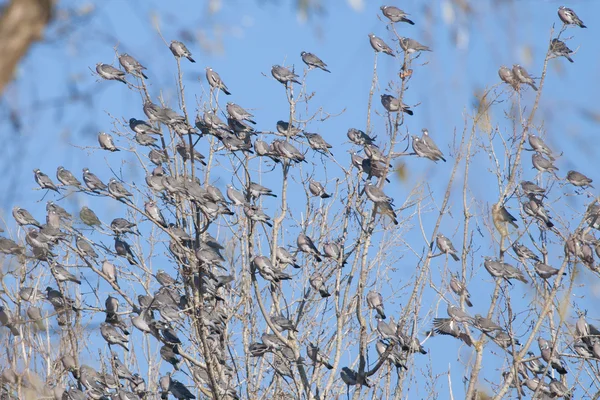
<point x="245" y="38"/>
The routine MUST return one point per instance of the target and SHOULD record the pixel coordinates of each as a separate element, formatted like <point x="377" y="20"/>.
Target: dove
<point x="180" y="50"/>
<point x="313" y="61"/>
<point x="110" y="73"/>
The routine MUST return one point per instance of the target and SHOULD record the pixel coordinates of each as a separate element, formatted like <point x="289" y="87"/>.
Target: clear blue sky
<point x="243" y="39"/>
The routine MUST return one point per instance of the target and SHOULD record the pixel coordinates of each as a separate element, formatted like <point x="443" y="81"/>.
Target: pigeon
<point x="394" y="14"/>
<point x="117" y="190"/>
<point x="376" y="195"/>
<point x="411" y="46"/>
<point x="535" y="208"/>
<point x="92" y="181"/>
<point x="110" y="73"/>
<point x="542" y="164"/>
<point x="284" y="75"/>
<point x="284" y="128"/>
<point x="392" y="104"/>
<point x="531" y="188"/>
<point x="30" y="294"/>
<point x="538" y="145"/>
<point x="422" y="150"/>
<point x="508" y="76"/>
<point x="110" y="271"/>
<point x="555" y="362"/>
<point x="545" y="271"/>
<point x="62" y="275"/>
<point x="85" y="248"/>
<point x="558" y="48"/>
<point x="7" y="320"/>
<point x="113" y="336"/>
<point x="44" y="181"/>
<point x="380" y="46"/>
<point x="568" y="17"/>
<point x="123" y="249"/>
<point x="375" y="302"/>
<point x="433" y="149"/>
<point x="501" y="216"/>
<point x="180" y="391"/>
<point x="317" y="282"/>
<point x="520" y="75"/>
<point x="23" y="217"/>
<point x="524" y="252"/>
<point x="239" y="113"/>
<point x="446" y="246"/>
<point x="154" y="213"/>
<point x="215" y="81"/>
<point x="65" y="177"/>
<point x="460" y="289"/>
<point x="132" y="66"/>
<point x="318" y="190"/>
<point x="255" y="213"/>
<point x="89" y="217"/>
<point x="286" y="257"/>
<point x="313" y="61"/>
<point x="143" y="127"/>
<point x="395" y="357"/>
<point x="268" y="271"/>
<point x="236" y="197"/>
<point x="316" y="356"/>
<point x="306" y="245"/>
<point x="485" y="324"/>
<point x="121" y="226"/>
<point x="106" y="142"/>
<point x="358" y="137"/>
<point x="458" y="314"/>
<point x="257" y="190"/>
<point x="179" y="50"/>
<point x="503" y="270"/>
<point x="578" y="179"/>
<point x="35" y="314"/>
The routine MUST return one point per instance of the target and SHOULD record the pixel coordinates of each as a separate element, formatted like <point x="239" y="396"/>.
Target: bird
<point x="433" y="149"/>
<point x="507" y="76"/>
<point x="422" y="150"/>
<point x="117" y="190"/>
<point x="535" y="208"/>
<point x="132" y="66"/>
<point x="110" y="271"/>
<point x="376" y="195"/>
<point x="66" y="177"/>
<point x="143" y="127"/>
<point x="542" y="164"/>
<point x="255" y="213"/>
<point x="448" y="326"/>
<point x="284" y="256"/>
<point x="394" y="356"/>
<point x="411" y="46"/>
<point x="531" y="188"/>
<point x="92" y="181"/>
<point x="89" y="217"/>
<point x="375" y="302"/>
<point x="284" y="75"/>
<point x="545" y="271"/>
<point x="63" y="275"/>
<point x="394" y="14"/>
<point x="503" y="270"/>
<point x="110" y="73"/>
<point x="458" y="314"/>
<point x="306" y="245"/>
<point x="180" y="391"/>
<point x="285" y="129"/>
<point x="555" y="362"/>
<point x="360" y="138"/>
<point x="485" y="324"/>
<point x="106" y="142"/>
<point x="24" y="217"/>
<point x="392" y="104"/>
<point x="154" y="213"/>
<point x="460" y="289"/>
<point x="538" y="145"/>
<point x="317" y="189"/>
<point x="123" y="249"/>
<point x="316" y="142"/>
<point x="501" y="216"/>
<point x="121" y="226"/>
<point x="313" y="61"/>
<point x="446" y="246"/>
<point x="180" y="50"/>
<point x="578" y="179"/>
<point x="316" y="356"/>
<point x="317" y="282"/>
<point x="239" y="113"/>
<point x="521" y="76"/>
<point x="568" y="17"/>
<point x="215" y="81"/>
<point x="113" y="336"/>
<point x="380" y="46"/>
<point x="44" y="181"/>
<point x="268" y="271"/>
<point x="524" y="252"/>
<point x="558" y="48"/>
<point x="85" y="248"/>
<point x="8" y="320"/>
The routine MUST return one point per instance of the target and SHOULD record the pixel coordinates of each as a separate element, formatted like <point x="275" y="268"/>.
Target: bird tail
<point x="456" y="258"/>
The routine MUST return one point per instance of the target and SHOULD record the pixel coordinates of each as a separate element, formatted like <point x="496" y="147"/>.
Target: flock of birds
<point x="202" y="267"/>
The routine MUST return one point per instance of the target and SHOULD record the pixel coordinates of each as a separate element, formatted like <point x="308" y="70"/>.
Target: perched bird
<point x="180" y="391"/>
<point x="316" y="356"/>
<point x="215" y="81"/>
<point x="568" y="17"/>
<point x="284" y="75"/>
<point x="375" y="302"/>
<point x="180" y="50"/>
<point x="306" y="245"/>
<point x="446" y="246"/>
<point x="555" y="362"/>
<point x="538" y="145"/>
<point x="508" y="76"/>
<point x="92" y="181"/>
<point x="535" y="208"/>
<point x="44" y="180"/>
<point x="285" y="129"/>
<point x="432" y="148"/>
<point x="35" y="314"/>
<point x="23" y="217"/>
<point x="503" y="270"/>
<point x="110" y="73"/>
<point x="113" y="336"/>
<point x="121" y="226"/>
<point x="542" y="164"/>
<point x="458" y="314"/>
<point x="63" y="275"/>
<point x="460" y="289"/>
<point x="132" y="66"/>
<point x="317" y="189"/>
<point x="30" y="294"/>
<point x="85" y="248"/>
<point x="286" y="257"/>
<point x="485" y="324"/>
<point x="545" y="271"/>
<point x="394" y="14"/>
<point x="143" y="127"/>
<point x="268" y="271"/>
<point x="317" y="282"/>
<point x="376" y="195"/>
<point x="524" y="252"/>
<point x="380" y="46"/>
<point x="521" y="76"/>
<point x="411" y="46"/>
<point x="313" y="61"/>
<point x="7" y="320"/>
<point x="360" y="138"/>
<point x="392" y="104"/>
<point x="110" y="271"/>
<point x="89" y="217"/>
<point x="67" y="178"/>
<point x="316" y="142"/>
<point x="255" y="213"/>
<point x="421" y="149"/>
<point x="239" y="113"/>
<point x="106" y="142"/>
<point x="394" y="356"/>
<point x="558" y="48"/>
<point x="578" y="179"/>
<point x="531" y="188"/>
<point x="154" y="213"/>
<point x="123" y="249"/>
<point x="501" y="216"/>
<point x="117" y="190"/>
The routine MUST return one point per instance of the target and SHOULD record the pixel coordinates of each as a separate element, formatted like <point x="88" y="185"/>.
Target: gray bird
<point x="360" y="138"/>
<point x="183" y="150"/>
<point x="422" y="150"/>
<point x="239" y="113"/>
<point x="35" y="314"/>
<point x="132" y="66"/>
<point x="117" y="190"/>
<point x="284" y="75"/>
<point x="458" y="315"/>
<point x="542" y="164"/>
<point x="521" y="76"/>
<point x="110" y="271"/>
<point x="558" y="48"/>
<point x="316" y="142"/>
<point x="285" y="129"/>
<point x="164" y="279"/>
<point x="578" y="179"/>
<point x="8" y="246"/>
<point x="180" y="391"/>
<point x="376" y="195"/>
<point x="121" y="226"/>
<point x="545" y="271"/>
<point x="334" y="251"/>
<point x="556" y="387"/>
<point x="380" y="46"/>
<point x="30" y="294"/>
<point x="447" y="326"/>
<point x="412" y="46"/>
<point x="287" y="150"/>
<point x="106" y="142"/>
<point x="257" y="349"/>
<point x="62" y="274"/>
<point x="431" y="146"/>
<point x="120" y="369"/>
<point x="215" y="81"/>
<point x="501" y="216"/>
<point x="179" y="50"/>
<point x="236" y="197"/>
<point x="538" y="145"/>
<point x="143" y="127"/>
<point x="392" y="104"/>
<point x="375" y="302"/>
<point x="168" y="353"/>
<point x="503" y="270"/>
<point x="268" y="271"/>
<point x="313" y="61"/>
<point x="394" y="14"/>
<point x="534" y="365"/>
<point x="154" y="213"/>
<point x="531" y="188"/>
<point x="7" y="320"/>
<point x="144" y="139"/>
<point x="44" y="180"/>
<point x="568" y="17"/>
<point x="555" y="362"/>
<point x="306" y="245"/>
<point x="110" y="73"/>
<point x="123" y="249"/>
<point x="61" y="212"/>
<point x="257" y="190"/>
<point x="316" y="356"/>
<point x="286" y="257"/>
<point x="89" y="217"/>
<point x="395" y="357"/>
<point x="85" y="248"/>
<point x="387" y="331"/>
<point x="255" y="213"/>
<point x="113" y="336"/>
<point x="24" y="218"/>
<point x="92" y="181"/>
<point x="317" y="282"/>
<point x="507" y="76"/>
<point x="535" y="208"/>
<point x="504" y="340"/>
<point x="524" y="252"/>
<point x="67" y="178"/>
<point x="485" y="324"/>
<point x="446" y="246"/>
<point x="460" y="289"/>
